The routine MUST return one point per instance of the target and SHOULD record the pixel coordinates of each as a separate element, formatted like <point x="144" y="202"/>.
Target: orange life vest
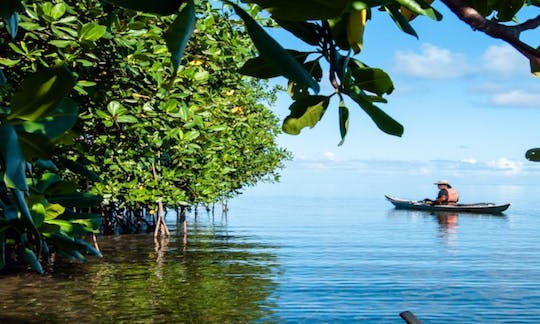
<point x="453" y="196"/>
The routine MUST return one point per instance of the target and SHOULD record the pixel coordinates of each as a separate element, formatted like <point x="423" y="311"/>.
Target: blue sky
<point x="469" y="105"/>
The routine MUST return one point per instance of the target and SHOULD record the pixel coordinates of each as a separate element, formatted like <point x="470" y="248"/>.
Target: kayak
<point x="482" y="208"/>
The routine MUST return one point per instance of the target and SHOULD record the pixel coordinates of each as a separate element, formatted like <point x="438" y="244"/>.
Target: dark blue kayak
<point x="481" y="208"/>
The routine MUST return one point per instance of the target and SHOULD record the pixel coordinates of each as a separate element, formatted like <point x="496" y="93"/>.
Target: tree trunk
<point x="161" y="226"/>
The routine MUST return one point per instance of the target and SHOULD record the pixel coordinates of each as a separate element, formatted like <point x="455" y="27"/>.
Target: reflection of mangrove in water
<point x="216" y="277"/>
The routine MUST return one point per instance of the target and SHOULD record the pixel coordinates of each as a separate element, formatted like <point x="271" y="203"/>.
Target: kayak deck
<point x="483" y="208"/>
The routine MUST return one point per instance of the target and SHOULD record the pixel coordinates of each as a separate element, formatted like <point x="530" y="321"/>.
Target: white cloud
<point x="331" y="156"/>
<point x="506" y="165"/>
<point x="432" y="63"/>
<point x="519" y="97"/>
<point x="462" y="168"/>
<point x="504" y="60"/>
<point x="469" y="161"/>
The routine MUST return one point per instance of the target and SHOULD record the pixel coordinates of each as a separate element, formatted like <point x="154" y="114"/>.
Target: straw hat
<point x="443" y="182"/>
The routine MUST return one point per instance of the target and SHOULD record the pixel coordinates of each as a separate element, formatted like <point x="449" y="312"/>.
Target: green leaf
<point x="506" y="10"/>
<point x="274" y="54"/>
<point x="533" y="155"/>
<point x="47" y="180"/>
<point x="46" y="165"/>
<point x="75" y="199"/>
<point x="421" y="7"/>
<point x="80" y="169"/>
<point x="57" y="11"/>
<point x="259" y="67"/>
<point x="343" y="121"/>
<point x="127" y="119"/>
<point x="384" y="122"/>
<point x="37" y="210"/>
<point x="91" y="32"/>
<point x="63" y="43"/>
<point x="12" y="159"/>
<point x="35" y="146"/>
<point x="30" y="258"/>
<point x="8" y="62"/>
<point x="29" y="26"/>
<point x="162" y="7"/>
<point x="8" y="11"/>
<point x="53" y="210"/>
<point x="10" y="213"/>
<point x="60" y="120"/>
<point x="116" y="109"/>
<point x="305" y="112"/>
<point x="191" y="135"/>
<point x="371" y="79"/>
<point x="399" y="20"/>
<point x="40" y="93"/>
<point x="179" y="32"/>
<point x="302" y="10"/>
<point x="13" y="24"/>
<point x="27" y="218"/>
<point x="308" y="32"/>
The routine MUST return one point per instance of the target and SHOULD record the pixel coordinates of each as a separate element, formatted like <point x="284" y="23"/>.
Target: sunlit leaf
<point x="60" y="120"/>
<point x="91" y="32"/>
<point x="115" y="108"/>
<point x="57" y="11"/>
<point x="371" y="79"/>
<point x="127" y="119"/>
<point x="305" y="112"/>
<point x="37" y="210"/>
<point x="421" y="7"/>
<point x="40" y="93"/>
<point x="53" y="210"/>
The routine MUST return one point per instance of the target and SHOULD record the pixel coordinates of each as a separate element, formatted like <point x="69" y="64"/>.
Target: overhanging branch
<point x="509" y="34"/>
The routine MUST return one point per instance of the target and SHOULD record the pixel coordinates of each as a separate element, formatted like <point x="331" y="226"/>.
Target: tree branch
<point x="509" y="34"/>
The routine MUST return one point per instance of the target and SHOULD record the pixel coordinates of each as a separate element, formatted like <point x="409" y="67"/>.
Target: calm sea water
<point x="305" y="258"/>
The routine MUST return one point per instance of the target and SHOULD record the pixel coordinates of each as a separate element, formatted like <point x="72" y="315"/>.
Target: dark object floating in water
<point x="409" y="317"/>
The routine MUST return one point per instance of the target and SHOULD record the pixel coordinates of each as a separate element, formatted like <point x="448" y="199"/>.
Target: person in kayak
<point x="446" y="196"/>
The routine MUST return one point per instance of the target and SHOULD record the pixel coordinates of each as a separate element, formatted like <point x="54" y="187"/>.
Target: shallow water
<point x="304" y="259"/>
